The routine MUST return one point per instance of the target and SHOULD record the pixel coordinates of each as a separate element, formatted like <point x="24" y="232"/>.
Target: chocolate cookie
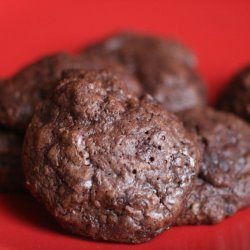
<point x="107" y="165"/>
<point x="236" y="96"/>
<point x="223" y="184"/>
<point x="127" y="46"/>
<point x="164" y="68"/>
<point x="20" y="94"/>
<point x="92" y="62"/>
<point x="10" y="161"/>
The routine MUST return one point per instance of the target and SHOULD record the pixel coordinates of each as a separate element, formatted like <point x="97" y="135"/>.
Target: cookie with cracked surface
<point x="10" y="161"/>
<point x="20" y="94"/>
<point x="236" y="96"/>
<point x="223" y="184"/>
<point x="107" y="165"/>
<point x="164" y="68"/>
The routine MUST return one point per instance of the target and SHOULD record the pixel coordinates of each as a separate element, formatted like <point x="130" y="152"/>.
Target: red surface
<point x="26" y="225"/>
<point x="218" y="31"/>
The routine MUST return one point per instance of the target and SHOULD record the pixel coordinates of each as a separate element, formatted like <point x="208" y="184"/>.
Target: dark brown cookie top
<point x="223" y="185"/>
<point x="163" y="67"/>
<point x="176" y="86"/>
<point x="10" y="161"/>
<point x="127" y="46"/>
<point x="20" y="94"/>
<point x="236" y="96"/>
<point x="107" y="165"/>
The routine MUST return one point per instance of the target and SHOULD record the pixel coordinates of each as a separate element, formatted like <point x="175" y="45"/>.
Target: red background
<point x="218" y="32"/>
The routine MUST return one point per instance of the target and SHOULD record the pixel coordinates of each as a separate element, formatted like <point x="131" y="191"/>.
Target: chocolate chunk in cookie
<point x="107" y="165"/>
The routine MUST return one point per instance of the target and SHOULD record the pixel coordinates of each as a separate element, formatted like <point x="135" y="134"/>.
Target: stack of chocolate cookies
<point x="118" y="142"/>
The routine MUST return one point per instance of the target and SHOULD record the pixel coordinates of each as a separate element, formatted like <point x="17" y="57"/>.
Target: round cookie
<point x="107" y="165"/>
<point x="163" y="67"/>
<point x="236" y="96"/>
<point x="20" y="94"/>
<point x="10" y="161"/>
<point x="223" y="184"/>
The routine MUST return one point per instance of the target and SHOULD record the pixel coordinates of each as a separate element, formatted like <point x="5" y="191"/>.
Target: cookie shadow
<point x="30" y="212"/>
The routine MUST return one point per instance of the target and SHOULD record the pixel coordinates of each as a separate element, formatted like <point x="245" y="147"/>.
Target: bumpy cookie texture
<point x="236" y="96"/>
<point x="164" y="68"/>
<point x="10" y="161"/>
<point x="107" y="165"/>
<point x="223" y="184"/>
<point x="20" y="94"/>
